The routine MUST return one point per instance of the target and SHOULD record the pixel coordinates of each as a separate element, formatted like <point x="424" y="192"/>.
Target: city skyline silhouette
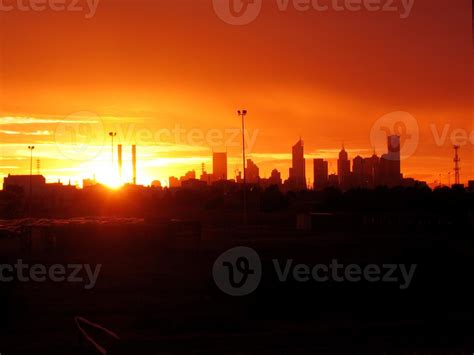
<point x="236" y="177"/>
<point x="220" y="169"/>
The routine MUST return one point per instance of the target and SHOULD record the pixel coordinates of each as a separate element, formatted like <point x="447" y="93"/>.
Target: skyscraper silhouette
<point x="390" y="167"/>
<point x="358" y="171"/>
<point x="343" y="168"/>
<point x="219" y="166"/>
<point x="371" y="170"/>
<point x="252" y="172"/>
<point x="275" y="178"/>
<point x="297" y="174"/>
<point x="320" y="174"/>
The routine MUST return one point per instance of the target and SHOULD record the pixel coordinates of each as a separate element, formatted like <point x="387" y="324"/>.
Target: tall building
<point x="297" y="174"/>
<point x="219" y="166"/>
<point x="275" y="178"/>
<point x="390" y="167"/>
<point x="358" y="171"/>
<point x="252" y="172"/>
<point x="370" y="170"/>
<point x="393" y="143"/>
<point x="333" y="180"/>
<point x="321" y="171"/>
<point x="343" y="168"/>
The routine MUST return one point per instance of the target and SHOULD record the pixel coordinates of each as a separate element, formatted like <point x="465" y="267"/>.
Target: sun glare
<point x="104" y="175"/>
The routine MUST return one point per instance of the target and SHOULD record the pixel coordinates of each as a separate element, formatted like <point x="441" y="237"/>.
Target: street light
<point x="31" y="147"/>
<point x="242" y="114"/>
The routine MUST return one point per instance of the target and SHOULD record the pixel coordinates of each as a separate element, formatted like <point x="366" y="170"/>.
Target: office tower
<point x="252" y="172"/>
<point x="358" y="172"/>
<point x="275" y="178"/>
<point x="320" y="174"/>
<point x="390" y="169"/>
<point x="297" y="177"/>
<point x="333" y="180"/>
<point x="370" y="170"/>
<point x="343" y="168"/>
<point x="393" y="143"/>
<point x="219" y="166"/>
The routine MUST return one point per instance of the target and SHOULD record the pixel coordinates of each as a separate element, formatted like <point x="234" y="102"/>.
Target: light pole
<point x="31" y="147"/>
<point x="112" y="135"/>
<point x="242" y="114"/>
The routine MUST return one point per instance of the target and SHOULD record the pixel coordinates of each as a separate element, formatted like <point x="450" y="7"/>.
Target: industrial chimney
<point x="119" y="152"/>
<point x="134" y="164"/>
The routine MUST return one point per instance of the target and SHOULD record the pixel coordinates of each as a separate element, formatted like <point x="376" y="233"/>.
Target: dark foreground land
<point x="158" y="294"/>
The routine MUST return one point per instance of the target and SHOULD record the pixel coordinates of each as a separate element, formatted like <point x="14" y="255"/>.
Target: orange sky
<point x="138" y="67"/>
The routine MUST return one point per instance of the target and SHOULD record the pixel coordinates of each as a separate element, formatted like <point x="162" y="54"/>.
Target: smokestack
<point x="134" y="164"/>
<point x="119" y="152"/>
